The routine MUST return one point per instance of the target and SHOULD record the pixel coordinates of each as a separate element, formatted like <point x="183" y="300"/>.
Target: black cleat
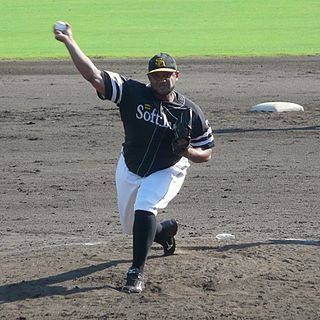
<point x="169" y="245"/>
<point x="135" y="281"/>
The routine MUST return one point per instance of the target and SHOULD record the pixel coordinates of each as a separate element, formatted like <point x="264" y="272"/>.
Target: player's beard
<point x="164" y="89"/>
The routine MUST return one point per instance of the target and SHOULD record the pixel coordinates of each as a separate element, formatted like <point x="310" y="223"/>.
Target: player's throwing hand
<point x="62" y="31"/>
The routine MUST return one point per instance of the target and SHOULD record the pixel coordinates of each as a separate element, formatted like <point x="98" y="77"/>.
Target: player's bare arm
<point x="84" y="65"/>
<point x="198" y="155"/>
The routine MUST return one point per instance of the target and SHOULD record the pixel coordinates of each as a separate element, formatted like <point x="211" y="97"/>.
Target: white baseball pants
<point x="149" y="193"/>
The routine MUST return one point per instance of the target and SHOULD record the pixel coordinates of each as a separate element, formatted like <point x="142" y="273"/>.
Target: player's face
<point x="163" y="82"/>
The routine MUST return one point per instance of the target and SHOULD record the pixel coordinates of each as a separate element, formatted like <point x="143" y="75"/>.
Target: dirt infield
<point x="63" y="255"/>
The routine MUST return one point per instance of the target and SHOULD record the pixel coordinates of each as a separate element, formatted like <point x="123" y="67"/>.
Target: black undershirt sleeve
<point x="107" y="87"/>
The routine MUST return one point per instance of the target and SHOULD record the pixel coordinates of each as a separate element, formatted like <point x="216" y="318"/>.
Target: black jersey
<point x="148" y="124"/>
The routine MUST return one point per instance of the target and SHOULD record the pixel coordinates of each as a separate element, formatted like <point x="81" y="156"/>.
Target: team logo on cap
<point x="160" y="62"/>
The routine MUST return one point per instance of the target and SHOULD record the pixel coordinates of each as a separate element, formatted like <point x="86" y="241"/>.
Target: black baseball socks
<point x="144" y="231"/>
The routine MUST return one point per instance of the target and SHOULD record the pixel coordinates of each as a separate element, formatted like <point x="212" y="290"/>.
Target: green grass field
<point x="133" y="28"/>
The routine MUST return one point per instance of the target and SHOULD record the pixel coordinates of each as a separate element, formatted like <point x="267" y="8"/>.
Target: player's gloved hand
<point x="179" y="146"/>
<point x="182" y="132"/>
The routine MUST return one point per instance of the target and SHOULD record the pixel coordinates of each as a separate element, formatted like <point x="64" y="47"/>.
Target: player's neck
<point x="170" y="97"/>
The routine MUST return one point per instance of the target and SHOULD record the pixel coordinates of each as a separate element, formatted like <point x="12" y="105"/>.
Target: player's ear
<point x="149" y="77"/>
<point x="177" y="74"/>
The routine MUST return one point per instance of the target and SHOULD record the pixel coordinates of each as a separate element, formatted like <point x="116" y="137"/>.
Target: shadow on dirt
<point x="243" y="130"/>
<point x="239" y="246"/>
<point x="43" y="287"/>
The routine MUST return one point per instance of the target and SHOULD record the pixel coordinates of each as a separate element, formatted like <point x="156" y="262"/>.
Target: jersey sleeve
<point x="201" y="136"/>
<point x="114" y="85"/>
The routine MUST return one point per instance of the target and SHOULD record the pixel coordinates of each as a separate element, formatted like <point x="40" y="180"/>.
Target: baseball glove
<point x="182" y="132"/>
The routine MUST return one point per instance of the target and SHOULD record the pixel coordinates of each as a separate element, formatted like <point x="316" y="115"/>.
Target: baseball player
<point x="163" y="131"/>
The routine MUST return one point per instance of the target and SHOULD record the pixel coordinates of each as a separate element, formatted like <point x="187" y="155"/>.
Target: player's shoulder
<point x="123" y="78"/>
<point x="187" y="102"/>
<point x="136" y="83"/>
<point x="120" y="88"/>
<point x="136" y="88"/>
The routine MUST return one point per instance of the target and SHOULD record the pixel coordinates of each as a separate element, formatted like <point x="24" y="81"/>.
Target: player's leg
<point x="144" y="229"/>
<point x="127" y="184"/>
<point x="155" y="192"/>
<point x="166" y="230"/>
<point x="141" y="223"/>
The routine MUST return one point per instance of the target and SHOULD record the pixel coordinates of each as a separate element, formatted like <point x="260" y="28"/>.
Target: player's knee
<point x="143" y="213"/>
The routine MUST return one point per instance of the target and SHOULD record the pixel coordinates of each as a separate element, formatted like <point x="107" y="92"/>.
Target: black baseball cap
<point x="162" y="62"/>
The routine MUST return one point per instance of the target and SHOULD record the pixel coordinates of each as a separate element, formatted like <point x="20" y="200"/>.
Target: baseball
<point x="60" y="26"/>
